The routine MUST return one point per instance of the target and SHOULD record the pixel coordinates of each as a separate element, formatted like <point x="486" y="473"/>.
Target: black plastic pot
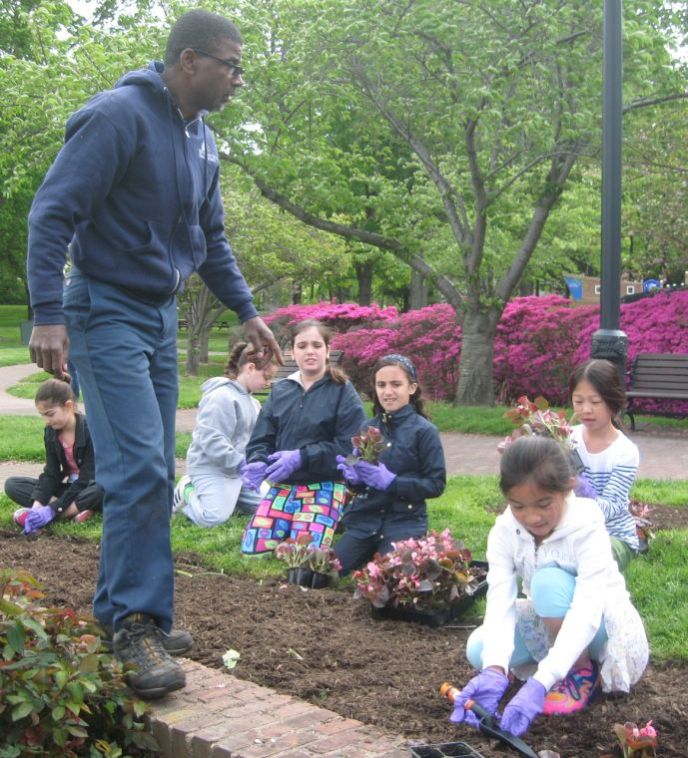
<point x="307" y="578"/>
<point x="445" y="750"/>
<point x="300" y="576"/>
<point x="435" y="617"/>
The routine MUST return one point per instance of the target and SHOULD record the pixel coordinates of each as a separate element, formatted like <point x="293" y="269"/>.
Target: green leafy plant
<point x="302" y="553"/>
<point x="369" y="444"/>
<point x="431" y="572"/>
<point x="59" y="695"/>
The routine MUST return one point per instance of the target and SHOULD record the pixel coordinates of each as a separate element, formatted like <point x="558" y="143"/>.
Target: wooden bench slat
<point x="662" y="376"/>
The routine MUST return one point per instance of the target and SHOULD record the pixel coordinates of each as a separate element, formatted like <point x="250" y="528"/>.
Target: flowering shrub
<point x="302" y="553"/>
<point x="637" y="741"/>
<point x="422" y="574"/>
<point x="539" y="341"/>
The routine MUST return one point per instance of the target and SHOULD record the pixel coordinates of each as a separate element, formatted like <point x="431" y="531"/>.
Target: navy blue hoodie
<point x="135" y="189"/>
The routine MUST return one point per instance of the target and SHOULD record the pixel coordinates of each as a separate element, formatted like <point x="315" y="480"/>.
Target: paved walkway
<point x="661" y="457"/>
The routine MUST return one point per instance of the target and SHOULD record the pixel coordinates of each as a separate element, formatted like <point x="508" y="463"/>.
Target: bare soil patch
<point x="324" y="647"/>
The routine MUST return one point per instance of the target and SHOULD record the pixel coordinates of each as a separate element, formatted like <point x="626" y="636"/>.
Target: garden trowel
<point x="488" y="723"/>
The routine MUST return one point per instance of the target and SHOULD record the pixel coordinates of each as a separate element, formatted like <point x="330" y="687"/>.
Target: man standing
<point x="135" y="190"/>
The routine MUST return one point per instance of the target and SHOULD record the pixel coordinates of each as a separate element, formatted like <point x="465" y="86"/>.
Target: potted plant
<point x="538" y="419"/>
<point x="430" y="580"/>
<point x="307" y="564"/>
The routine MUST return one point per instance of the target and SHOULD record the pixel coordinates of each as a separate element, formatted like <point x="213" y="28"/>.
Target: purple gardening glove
<point x="487" y="688"/>
<point x="253" y="475"/>
<point x="584" y="487"/>
<point x="38" y="517"/>
<point x="283" y="463"/>
<point x="375" y="475"/>
<point x="348" y="472"/>
<point x="523" y="707"/>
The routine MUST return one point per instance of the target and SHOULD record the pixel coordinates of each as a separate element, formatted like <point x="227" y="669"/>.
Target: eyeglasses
<point x="233" y="68"/>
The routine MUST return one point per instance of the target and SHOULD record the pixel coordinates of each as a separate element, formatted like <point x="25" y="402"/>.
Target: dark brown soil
<point x="324" y="647"/>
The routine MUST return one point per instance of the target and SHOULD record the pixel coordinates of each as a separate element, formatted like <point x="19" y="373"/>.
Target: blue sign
<point x="575" y="286"/>
<point x="651" y="284"/>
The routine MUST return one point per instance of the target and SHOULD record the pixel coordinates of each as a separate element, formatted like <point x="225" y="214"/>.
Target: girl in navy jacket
<point x="306" y="422"/>
<point x="389" y="504"/>
<point x="66" y="488"/>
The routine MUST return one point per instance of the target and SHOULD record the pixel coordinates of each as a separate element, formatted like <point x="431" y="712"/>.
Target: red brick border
<point x="218" y="716"/>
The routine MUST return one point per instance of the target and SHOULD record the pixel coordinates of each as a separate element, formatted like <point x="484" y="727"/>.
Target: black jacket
<point x="413" y="451"/>
<point x="319" y="423"/>
<point x="55" y="471"/>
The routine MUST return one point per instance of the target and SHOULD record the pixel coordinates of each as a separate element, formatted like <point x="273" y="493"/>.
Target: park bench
<point x="658" y="376"/>
<point x="336" y="359"/>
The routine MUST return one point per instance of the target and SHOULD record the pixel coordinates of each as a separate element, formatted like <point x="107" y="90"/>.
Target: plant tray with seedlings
<point x="436" y="617"/>
<point x="445" y="750"/>
<point x="307" y="578"/>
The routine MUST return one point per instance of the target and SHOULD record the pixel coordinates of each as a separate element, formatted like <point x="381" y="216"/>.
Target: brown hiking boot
<point x="138" y="645"/>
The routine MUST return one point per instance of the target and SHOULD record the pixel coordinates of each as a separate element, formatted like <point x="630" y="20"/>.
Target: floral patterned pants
<point x="288" y="510"/>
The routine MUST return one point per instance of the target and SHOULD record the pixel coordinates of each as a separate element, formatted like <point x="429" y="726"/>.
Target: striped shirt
<point x="612" y="473"/>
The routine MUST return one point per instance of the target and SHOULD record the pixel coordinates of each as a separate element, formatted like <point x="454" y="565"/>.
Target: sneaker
<point x="19" y="516"/>
<point x="82" y="516"/>
<point x="176" y="642"/>
<point x="151" y="673"/>
<point x="181" y="493"/>
<point x="573" y="693"/>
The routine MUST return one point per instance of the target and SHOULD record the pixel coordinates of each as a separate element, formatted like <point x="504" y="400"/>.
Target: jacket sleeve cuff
<point x="49" y="314"/>
<point x="246" y="311"/>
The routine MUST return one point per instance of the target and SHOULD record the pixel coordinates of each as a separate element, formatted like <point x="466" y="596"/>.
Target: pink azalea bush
<point x="421" y="574"/>
<point x="539" y="341"/>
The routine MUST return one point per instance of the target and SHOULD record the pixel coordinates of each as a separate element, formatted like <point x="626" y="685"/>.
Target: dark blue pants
<point x="125" y="352"/>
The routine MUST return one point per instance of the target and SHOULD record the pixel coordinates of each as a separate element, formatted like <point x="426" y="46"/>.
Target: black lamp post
<point x="609" y="341"/>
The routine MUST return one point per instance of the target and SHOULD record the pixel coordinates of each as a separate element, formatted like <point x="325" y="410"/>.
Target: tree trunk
<point x="192" y="354"/>
<point x="364" y="274"/>
<point x="203" y="339"/>
<point x="419" y="290"/>
<point x="476" y="385"/>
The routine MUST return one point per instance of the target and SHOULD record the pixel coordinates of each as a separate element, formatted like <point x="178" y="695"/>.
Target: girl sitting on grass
<point x="212" y="487"/>
<point x="576" y="627"/>
<point x="66" y="489"/>
<point x="389" y="503"/>
<point x="610" y="458"/>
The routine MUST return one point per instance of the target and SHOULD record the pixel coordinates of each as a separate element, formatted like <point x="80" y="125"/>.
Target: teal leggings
<point x="551" y="591"/>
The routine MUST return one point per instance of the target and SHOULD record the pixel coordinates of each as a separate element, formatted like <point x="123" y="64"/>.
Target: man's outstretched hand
<point x="260" y="336"/>
<point x="49" y="348"/>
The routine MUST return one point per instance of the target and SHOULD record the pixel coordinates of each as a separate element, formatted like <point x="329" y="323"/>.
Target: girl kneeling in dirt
<point x="577" y="628"/>
<point x="308" y="419"/>
<point x="66" y="489"/>
<point x="389" y="503"/>
<point x="212" y="487"/>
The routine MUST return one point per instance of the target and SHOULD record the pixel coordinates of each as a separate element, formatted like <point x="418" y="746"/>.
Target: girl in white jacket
<point x="227" y="413"/>
<point x="576" y="627"/>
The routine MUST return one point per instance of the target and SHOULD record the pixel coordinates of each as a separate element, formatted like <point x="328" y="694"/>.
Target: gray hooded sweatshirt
<point x="226" y="416"/>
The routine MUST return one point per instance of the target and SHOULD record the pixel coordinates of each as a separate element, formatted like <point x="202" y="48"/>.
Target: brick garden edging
<point x="219" y="716"/>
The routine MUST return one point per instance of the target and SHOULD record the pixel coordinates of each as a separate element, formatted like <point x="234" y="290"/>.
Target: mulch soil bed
<point x="324" y="647"/>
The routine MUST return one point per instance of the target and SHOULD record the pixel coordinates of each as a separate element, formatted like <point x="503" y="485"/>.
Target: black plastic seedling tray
<point x="445" y="750"/>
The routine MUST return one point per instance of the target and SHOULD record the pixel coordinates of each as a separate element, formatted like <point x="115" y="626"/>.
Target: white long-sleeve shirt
<point x="579" y="545"/>
<point x="612" y="473"/>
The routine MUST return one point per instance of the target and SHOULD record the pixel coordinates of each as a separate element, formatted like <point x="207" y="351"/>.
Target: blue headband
<point x="405" y="362"/>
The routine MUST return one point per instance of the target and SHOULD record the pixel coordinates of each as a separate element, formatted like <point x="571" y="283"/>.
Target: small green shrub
<point x="59" y="695"/>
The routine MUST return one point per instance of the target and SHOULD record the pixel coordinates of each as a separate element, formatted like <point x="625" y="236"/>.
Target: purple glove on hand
<point x="349" y="472"/>
<point x="523" y="707"/>
<point x="283" y="463"/>
<point x="584" y="487"/>
<point x="375" y="475"/>
<point x="253" y="474"/>
<point x="38" y="517"/>
<point x="487" y="688"/>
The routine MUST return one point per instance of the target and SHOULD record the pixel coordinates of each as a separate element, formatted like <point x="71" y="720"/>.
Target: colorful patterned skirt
<point x="288" y="510"/>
